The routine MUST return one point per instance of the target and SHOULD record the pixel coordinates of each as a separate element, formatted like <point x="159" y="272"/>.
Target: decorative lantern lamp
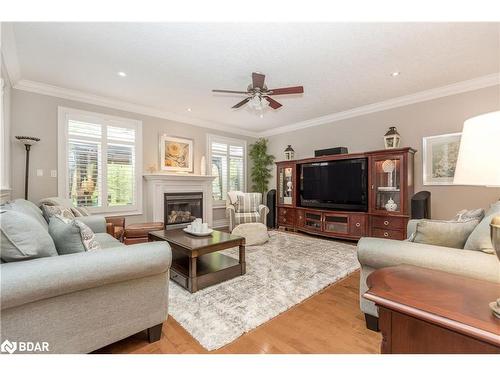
<point x="289" y="153"/>
<point x="392" y="138"/>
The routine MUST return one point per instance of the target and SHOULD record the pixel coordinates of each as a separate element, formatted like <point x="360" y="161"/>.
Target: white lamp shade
<point x="479" y="155"/>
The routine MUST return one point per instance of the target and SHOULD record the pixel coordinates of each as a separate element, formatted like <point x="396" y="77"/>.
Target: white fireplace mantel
<point x="157" y="184"/>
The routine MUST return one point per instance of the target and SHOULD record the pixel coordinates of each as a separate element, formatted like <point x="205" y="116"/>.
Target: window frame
<point x="211" y="138"/>
<point x="64" y="114"/>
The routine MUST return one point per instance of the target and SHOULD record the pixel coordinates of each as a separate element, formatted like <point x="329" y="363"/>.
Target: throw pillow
<point x="480" y="238"/>
<point x="248" y="202"/>
<point x="72" y="236"/>
<point x="23" y="238"/>
<point x="80" y="211"/>
<point x="464" y="215"/>
<point x="27" y="208"/>
<point x="49" y="211"/>
<point x="444" y="233"/>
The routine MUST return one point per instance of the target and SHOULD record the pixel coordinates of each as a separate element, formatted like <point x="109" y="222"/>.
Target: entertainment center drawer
<point x="388" y="222"/>
<point x="388" y="233"/>
<point x="286" y="216"/>
<point x="357" y="225"/>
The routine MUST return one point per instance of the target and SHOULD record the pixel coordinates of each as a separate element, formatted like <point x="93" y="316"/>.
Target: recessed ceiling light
<point x="122" y="74"/>
<point x="395" y="74"/>
<point x="189" y="109"/>
<point x="261" y="115"/>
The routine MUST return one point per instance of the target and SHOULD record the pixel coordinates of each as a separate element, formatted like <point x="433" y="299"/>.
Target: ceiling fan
<point x="259" y="96"/>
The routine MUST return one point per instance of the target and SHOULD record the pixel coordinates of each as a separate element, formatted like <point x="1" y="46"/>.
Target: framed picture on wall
<point x="440" y="155"/>
<point x="176" y="154"/>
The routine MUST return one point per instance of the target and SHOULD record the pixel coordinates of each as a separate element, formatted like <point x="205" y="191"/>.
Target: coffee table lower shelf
<point x="211" y="269"/>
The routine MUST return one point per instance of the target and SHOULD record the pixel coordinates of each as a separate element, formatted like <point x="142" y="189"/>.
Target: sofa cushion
<point x="71" y="236"/>
<point x="248" y="202"/>
<point x="27" y="208"/>
<point x="23" y="237"/>
<point x="107" y="241"/>
<point x="49" y="211"/>
<point x="480" y="238"/>
<point x="444" y="233"/>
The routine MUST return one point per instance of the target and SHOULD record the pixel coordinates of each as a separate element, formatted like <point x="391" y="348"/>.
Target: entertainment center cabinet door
<point x="387" y="184"/>
<point x="286" y="184"/>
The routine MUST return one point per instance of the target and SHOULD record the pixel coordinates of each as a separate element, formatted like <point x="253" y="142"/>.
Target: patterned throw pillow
<point x="464" y="215"/>
<point x="49" y="211"/>
<point x="248" y="202"/>
<point x="72" y="236"/>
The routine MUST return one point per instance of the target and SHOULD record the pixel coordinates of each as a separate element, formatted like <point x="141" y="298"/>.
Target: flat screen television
<point x="337" y="185"/>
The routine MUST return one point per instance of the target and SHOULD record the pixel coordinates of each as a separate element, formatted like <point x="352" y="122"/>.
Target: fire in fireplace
<point x="182" y="208"/>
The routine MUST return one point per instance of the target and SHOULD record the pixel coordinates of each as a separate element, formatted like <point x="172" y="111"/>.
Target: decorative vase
<point x="203" y="166"/>
<point x="391" y="205"/>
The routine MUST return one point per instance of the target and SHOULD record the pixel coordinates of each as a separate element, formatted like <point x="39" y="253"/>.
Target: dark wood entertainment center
<point x="390" y="176"/>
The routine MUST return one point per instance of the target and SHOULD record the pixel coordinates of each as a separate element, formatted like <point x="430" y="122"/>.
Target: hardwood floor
<point x="328" y="322"/>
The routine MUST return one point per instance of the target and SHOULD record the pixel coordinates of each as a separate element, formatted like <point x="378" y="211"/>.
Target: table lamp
<point x="479" y="164"/>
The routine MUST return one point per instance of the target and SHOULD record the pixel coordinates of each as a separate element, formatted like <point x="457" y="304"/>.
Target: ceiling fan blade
<point x="287" y="90"/>
<point x="231" y="91"/>
<point x="273" y="103"/>
<point x="244" y="101"/>
<point x="258" y="80"/>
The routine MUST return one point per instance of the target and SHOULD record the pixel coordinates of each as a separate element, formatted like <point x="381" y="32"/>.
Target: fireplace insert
<point x="182" y="208"/>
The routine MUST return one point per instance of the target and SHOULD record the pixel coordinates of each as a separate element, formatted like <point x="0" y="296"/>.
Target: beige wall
<point x="36" y="115"/>
<point x="363" y="133"/>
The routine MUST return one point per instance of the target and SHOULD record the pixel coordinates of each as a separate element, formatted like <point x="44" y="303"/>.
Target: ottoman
<point x="254" y="233"/>
<point x="138" y="233"/>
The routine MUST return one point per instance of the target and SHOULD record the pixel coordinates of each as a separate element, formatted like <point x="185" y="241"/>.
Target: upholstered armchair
<point x="115" y="226"/>
<point x="245" y="208"/>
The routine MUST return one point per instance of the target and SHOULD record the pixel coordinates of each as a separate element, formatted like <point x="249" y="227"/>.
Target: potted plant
<point x="261" y="165"/>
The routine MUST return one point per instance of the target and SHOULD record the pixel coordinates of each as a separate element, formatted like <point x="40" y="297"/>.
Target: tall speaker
<point x="421" y="205"/>
<point x="271" y="204"/>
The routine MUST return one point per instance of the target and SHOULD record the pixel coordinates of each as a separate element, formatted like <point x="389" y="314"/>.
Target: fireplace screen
<point x="182" y="208"/>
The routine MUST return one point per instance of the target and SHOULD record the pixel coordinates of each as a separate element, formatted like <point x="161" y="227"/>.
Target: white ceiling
<point x="174" y="66"/>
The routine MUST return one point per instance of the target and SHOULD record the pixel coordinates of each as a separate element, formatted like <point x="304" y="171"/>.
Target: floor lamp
<point x="27" y="142"/>
<point x="479" y="164"/>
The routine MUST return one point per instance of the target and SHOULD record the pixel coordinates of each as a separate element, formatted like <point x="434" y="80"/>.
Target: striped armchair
<point x="245" y="208"/>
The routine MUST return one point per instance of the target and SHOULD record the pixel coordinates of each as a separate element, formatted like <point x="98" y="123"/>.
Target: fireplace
<point x="180" y="209"/>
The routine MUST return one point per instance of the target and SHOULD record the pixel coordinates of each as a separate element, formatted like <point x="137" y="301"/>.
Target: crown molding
<point x="435" y="93"/>
<point x="9" y="52"/>
<point x="422" y="96"/>
<point x="80" y="96"/>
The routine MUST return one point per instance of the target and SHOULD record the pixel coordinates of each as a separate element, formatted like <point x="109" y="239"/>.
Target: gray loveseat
<point x="375" y="253"/>
<point x="78" y="303"/>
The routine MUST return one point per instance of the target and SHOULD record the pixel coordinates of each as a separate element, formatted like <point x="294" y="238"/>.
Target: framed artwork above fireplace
<point x="176" y="154"/>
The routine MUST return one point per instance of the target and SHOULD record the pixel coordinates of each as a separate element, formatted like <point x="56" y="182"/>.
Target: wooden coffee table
<point x="196" y="261"/>
<point x="426" y="311"/>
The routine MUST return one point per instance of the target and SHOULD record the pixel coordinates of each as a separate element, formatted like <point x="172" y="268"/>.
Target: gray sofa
<point x="375" y="253"/>
<point x="81" y="302"/>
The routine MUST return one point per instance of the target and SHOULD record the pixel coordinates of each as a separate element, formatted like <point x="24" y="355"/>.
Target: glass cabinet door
<point x="286" y="185"/>
<point x="387" y="182"/>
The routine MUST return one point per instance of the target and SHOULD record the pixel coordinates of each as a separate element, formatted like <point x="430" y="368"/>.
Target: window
<point x="99" y="161"/>
<point x="227" y="161"/>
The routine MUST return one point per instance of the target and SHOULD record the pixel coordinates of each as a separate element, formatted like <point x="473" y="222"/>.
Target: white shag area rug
<point x="279" y="274"/>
